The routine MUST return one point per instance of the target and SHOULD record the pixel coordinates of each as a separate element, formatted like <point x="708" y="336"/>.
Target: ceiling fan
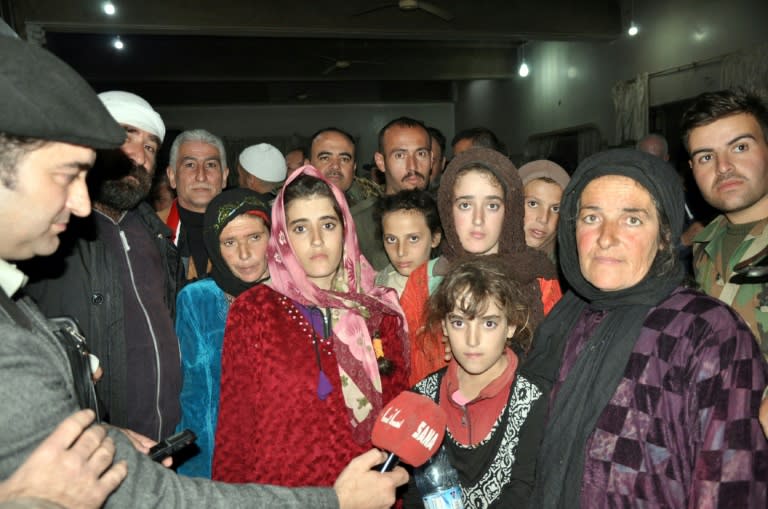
<point x="412" y="5"/>
<point x="338" y="64"/>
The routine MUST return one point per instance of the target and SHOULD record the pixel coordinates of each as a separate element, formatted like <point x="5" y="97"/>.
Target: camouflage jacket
<point x="750" y="300"/>
<point x="362" y="197"/>
<point x="362" y="189"/>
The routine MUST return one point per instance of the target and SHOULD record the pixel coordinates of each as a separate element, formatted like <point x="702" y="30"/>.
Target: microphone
<point x="410" y="427"/>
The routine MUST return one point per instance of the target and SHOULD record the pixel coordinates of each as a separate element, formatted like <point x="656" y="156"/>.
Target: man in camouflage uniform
<point x="715" y="274"/>
<point x="333" y="153"/>
<point x="726" y="135"/>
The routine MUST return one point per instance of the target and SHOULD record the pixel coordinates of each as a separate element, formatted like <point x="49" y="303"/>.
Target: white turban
<point x="128" y="108"/>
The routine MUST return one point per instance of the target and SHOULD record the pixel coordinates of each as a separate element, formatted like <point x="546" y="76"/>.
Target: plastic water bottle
<point x="438" y="483"/>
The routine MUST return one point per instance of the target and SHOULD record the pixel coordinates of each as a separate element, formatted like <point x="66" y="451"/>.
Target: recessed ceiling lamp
<point x="523" y="70"/>
<point x="117" y="43"/>
<point x="632" y="30"/>
<point x="109" y="8"/>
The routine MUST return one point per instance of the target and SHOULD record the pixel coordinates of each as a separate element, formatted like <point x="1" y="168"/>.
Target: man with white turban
<point x="117" y="273"/>
<point x="262" y="168"/>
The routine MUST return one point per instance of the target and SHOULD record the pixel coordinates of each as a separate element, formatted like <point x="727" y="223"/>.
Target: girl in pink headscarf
<point x="310" y="358"/>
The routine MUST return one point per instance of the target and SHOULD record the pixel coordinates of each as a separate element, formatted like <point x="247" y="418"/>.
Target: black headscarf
<point x="599" y="368"/>
<point x="225" y="207"/>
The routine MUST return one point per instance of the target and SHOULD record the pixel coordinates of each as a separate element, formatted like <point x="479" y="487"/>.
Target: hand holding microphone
<point x="360" y="487"/>
<point x="411" y="427"/>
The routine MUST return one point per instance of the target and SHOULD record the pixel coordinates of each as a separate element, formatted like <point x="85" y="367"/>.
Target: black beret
<point x="42" y="97"/>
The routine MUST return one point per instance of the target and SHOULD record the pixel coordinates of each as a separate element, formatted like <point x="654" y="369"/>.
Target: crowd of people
<point x="582" y="356"/>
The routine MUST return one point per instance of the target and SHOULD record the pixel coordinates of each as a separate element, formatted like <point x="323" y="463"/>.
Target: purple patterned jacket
<point x="681" y="430"/>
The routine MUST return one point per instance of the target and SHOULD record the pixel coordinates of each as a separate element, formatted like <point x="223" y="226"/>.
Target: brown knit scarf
<point x="522" y="263"/>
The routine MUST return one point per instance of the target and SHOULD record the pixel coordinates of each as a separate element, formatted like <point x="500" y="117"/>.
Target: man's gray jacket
<point x="37" y="391"/>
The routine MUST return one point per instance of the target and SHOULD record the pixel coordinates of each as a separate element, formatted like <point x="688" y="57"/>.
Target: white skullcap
<point x="544" y="168"/>
<point x="265" y="162"/>
<point x="128" y="108"/>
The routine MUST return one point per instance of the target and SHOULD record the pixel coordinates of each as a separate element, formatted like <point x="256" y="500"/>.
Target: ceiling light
<point x="524" y="70"/>
<point x="109" y="8"/>
<point x="117" y="43"/>
<point x="632" y="30"/>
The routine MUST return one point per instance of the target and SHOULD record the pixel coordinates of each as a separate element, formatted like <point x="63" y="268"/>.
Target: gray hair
<point x="197" y="135"/>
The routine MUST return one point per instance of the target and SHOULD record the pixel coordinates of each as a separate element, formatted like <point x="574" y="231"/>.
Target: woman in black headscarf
<point x="235" y="231"/>
<point x="653" y="383"/>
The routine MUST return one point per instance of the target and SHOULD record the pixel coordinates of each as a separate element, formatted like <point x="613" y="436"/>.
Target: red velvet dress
<point x="272" y="427"/>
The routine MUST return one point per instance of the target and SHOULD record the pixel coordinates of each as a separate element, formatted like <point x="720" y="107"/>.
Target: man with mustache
<point x="726" y="135"/>
<point x="52" y="119"/>
<point x="198" y="171"/>
<point x="116" y="273"/>
<point x="405" y="155"/>
<point x="332" y="151"/>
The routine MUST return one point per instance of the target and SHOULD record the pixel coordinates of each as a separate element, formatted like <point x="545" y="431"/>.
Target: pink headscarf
<point x="362" y="305"/>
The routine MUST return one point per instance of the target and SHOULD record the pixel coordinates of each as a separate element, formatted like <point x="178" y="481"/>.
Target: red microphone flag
<point x="411" y="426"/>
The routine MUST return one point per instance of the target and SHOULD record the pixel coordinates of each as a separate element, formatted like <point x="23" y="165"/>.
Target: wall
<point x="570" y="83"/>
<point x="286" y="123"/>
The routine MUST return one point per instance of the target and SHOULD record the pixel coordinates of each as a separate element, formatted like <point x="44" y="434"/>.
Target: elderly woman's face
<point x="617" y="232"/>
<point x="243" y="244"/>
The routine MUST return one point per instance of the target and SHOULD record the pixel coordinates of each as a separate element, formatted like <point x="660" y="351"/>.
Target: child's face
<point x="542" y="211"/>
<point x="407" y="239"/>
<point x="478" y="212"/>
<point x="478" y="344"/>
<point x="316" y="234"/>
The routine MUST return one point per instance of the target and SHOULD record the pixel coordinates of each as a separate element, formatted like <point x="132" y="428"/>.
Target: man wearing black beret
<point x="117" y="273"/>
<point x="50" y="122"/>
